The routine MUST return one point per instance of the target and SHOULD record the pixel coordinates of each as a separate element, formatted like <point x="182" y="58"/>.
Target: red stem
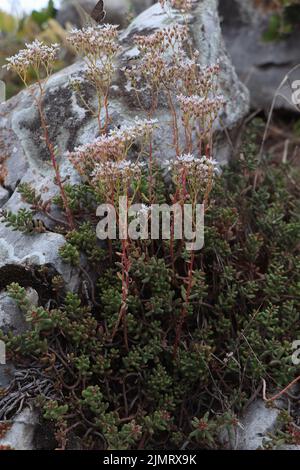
<point x="106" y="113"/>
<point x="125" y="289"/>
<point x="55" y="165"/>
<point x="184" y="310"/>
<point x="175" y="123"/>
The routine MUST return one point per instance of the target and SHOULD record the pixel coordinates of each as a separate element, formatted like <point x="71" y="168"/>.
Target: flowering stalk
<point x="175" y="123"/>
<point x="159" y="68"/>
<point x="40" y="58"/>
<point x="55" y="165"/>
<point x="99" y="46"/>
<point x="165" y="67"/>
<point x="150" y="117"/>
<point x="201" y="111"/>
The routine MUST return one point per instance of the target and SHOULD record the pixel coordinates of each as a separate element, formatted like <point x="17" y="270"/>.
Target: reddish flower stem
<point x="175" y="122"/>
<point x="184" y="311"/>
<point x="125" y="290"/>
<point x="55" y="165"/>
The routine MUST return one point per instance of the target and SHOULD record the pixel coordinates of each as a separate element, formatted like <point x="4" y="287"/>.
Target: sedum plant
<point x="242" y="315"/>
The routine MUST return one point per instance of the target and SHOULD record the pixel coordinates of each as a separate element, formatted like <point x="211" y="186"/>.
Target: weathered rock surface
<point x="141" y="5"/>
<point x="261" y="65"/>
<point x="4" y="196"/>
<point x="25" y="155"/>
<point x="21" y="434"/>
<point x="17" y="249"/>
<point x="258" y="421"/>
<point x="7" y="372"/>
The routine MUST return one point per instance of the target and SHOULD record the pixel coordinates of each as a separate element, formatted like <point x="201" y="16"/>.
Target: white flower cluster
<point x="198" y="106"/>
<point x="160" y="58"/>
<point x="34" y="55"/>
<point x="102" y="148"/>
<point x="140" y="128"/>
<point x="96" y="41"/>
<point x="188" y="159"/>
<point x="164" y="63"/>
<point x="163" y="39"/>
<point x="111" y="171"/>
<point x="99" y="73"/>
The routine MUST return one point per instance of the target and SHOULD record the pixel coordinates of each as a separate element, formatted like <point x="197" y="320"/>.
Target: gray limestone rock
<point x="261" y="65"/>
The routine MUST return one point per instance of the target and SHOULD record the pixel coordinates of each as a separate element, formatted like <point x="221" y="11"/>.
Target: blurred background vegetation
<point x="284" y="19"/>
